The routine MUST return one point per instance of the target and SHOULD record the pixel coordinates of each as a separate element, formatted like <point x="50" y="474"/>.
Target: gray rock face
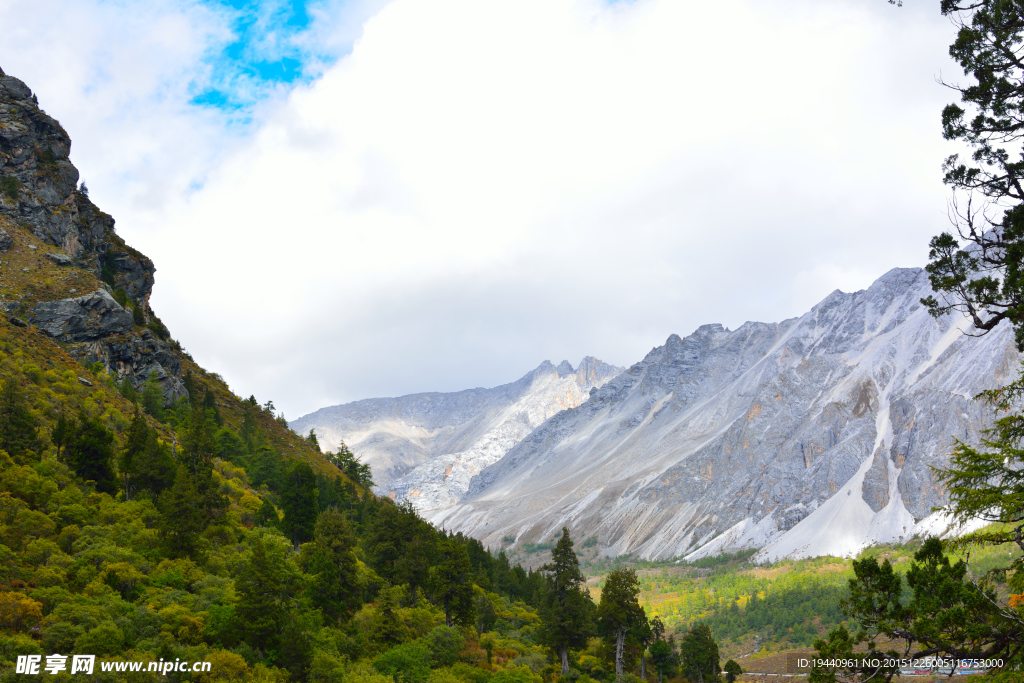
<point x="86" y="318"/>
<point x="34" y="152"/>
<point x="811" y="436"/>
<point x="426" y="447"/>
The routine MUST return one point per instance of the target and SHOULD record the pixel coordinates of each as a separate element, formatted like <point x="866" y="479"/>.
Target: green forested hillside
<point x="209" y="532"/>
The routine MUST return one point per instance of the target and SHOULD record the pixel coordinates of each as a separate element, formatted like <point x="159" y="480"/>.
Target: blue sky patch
<point x="267" y="51"/>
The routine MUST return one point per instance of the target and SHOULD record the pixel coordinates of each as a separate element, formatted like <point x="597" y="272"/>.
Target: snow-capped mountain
<point x="811" y="436"/>
<point x="426" y="447"/>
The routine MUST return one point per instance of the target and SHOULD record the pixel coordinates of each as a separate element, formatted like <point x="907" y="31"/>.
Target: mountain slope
<point x="811" y="436"/>
<point x="426" y="447"/>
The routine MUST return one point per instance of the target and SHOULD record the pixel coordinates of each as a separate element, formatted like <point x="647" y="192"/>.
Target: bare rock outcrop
<point x="39" y="193"/>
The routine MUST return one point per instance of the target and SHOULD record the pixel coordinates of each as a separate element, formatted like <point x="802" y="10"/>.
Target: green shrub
<point x="9" y="187"/>
<point x="445" y="643"/>
<point x="406" y="663"/>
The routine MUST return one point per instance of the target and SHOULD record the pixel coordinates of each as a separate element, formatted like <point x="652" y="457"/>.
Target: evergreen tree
<point x="134" y="446"/>
<point x="61" y="433"/>
<point x="389" y="629"/>
<point x="153" y="397"/>
<point x="299" y="501"/>
<point x="261" y="595"/>
<point x="980" y="271"/>
<point x="153" y="470"/>
<point x="346" y="461"/>
<point x="335" y="588"/>
<point x="401" y="546"/>
<point x="90" y="453"/>
<point x="619" y="611"/>
<point x="698" y="655"/>
<point x="311" y="438"/>
<point x="182" y="516"/>
<point x="210" y="405"/>
<point x="567" y="614"/>
<point x="451" y="583"/>
<point x="661" y="651"/>
<point x="732" y="670"/>
<point x="18" y="434"/>
<point x="267" y="515"/>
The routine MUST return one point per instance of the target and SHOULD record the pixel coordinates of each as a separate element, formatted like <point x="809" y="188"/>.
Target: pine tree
<point x="390" y="629"/>
<point x="732" y="670"/>
<point x="335" y="588"/>
<point x="210" y="405"/>
<point x="17" y="425"/>
<point x="267" y="515"/>
<point x="90" y="453"/>
<point x="299" y="501"/>
<point x="153" y="469"/>
<point x="619" y="611"/>
<point x="260" y="588"/>
<point x="567" y="614"/>
<point x="451" y="583"/>
<point x="698" y="654"/>
<point x="61" y="433"/>
<point x="153" y="397"/>
<point x="134" y="446"/>
<point x="182" y="516"/>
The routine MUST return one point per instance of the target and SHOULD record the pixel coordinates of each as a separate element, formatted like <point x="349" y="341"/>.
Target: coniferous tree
<point x="311" y="438"/>
<point x="267" y="515"/>
<point x="17" y="425"/>
<point x="299" y="501"/>
<point x="619" y="611"/>
<point x="134" y="446"/>
<point x="451" y="583"/>
<point x="153" y="397"/>
<point x="210" y="405"/>
<point x="90" y="452"/>
<point x="61" y="433"/>
<point x="182" y="516"/>
<point x="698" y="655"/>
<point x="336" y="586"/>
<point x="567" y="613"/>
<point x="390" y="629"/>
<point x="732" y="670"/>
<point x="260" y="588"/>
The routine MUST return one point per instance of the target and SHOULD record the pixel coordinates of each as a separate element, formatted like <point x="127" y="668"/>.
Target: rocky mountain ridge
<point x="48" y="224"/>
<point x="811" y="436"/>
<point x="425" y="448"/>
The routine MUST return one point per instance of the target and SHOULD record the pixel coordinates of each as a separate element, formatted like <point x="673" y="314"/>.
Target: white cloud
<point x="479" y="186"/>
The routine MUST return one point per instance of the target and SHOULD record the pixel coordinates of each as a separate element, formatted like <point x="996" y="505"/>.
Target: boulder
<point x="5" y="240"/>
<point x="60" y="259"/>
<point x="86" y="318"/>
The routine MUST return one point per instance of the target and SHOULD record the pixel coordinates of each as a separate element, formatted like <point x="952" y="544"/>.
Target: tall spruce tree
<point x="698" y="655"/>
<point x="451" y="583"/>
<point x="299" y="501"/>
<point x="567" y="613"/>
<point x="90" y="452"/>
<point x="261" y="598"/>
<point x="18" y="435"/>
<point x="183" y="516"/>
<point x="335" y="588"/>
<point x="619" y="612"/>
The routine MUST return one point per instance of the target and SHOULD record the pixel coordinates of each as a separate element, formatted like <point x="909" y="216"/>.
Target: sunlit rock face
<point x="426" y="447"/>
<point x="811" y="436"/>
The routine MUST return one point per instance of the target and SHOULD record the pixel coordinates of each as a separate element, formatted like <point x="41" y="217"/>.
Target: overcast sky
<point x="355" y="199"/>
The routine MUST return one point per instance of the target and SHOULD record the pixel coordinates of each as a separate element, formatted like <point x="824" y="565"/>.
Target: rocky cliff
<point x="812" y="436"/>
<point x="50" y="230"/>
<point x="426" y="447"/>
